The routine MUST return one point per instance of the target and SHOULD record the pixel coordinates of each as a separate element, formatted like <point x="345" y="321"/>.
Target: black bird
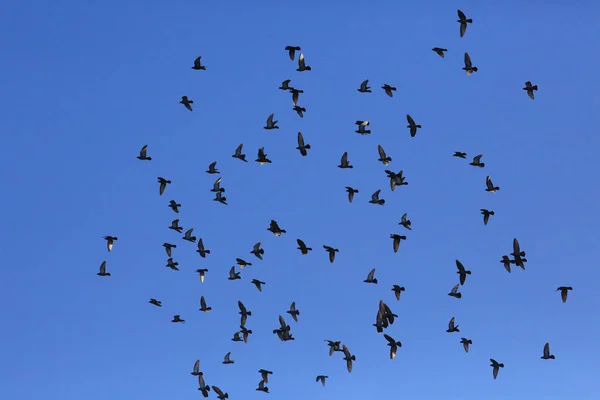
<point x="382" y="156"/>
<point x="292" y="51"/>
<point x="188" y="236"/>
<point x="466" y="342"/>
<point x="157" y="303"/>
<point x="300" y="110"/>
<point x="220" y="394"/>
<point x="143" y="151"/>
<point x="530" y="88"/>
<point x="227" y="360"/>
<point x="196" y="369"/>
<point x="333" y="346"/>
<point x="169" y="246"/>
<point x="506" y="262"/>
<point x="285" y="85"/>
<point x="396" y="179"/>
<point x="257" y="251"/>
<point x="322" y="379"/>
<point x="172" y="264"/>
<point x="454" y="292"/>
<point x="564" y="292"/>
<point x="238" y="153"/>
<point x="245" y="333"/>
<point x="476" y="161"/>
<point x="412" y="125"/>
<point x="102" y="271"/>
<point x="212" y="168"/>
<point x="397" y="238"/>
<point x="371" y="277"/>
<point x="197" y="65"/>
<point x="174" y="206"/>
<point x="244" y="313"/>
<point x="462" y="272"/>
<point x="202" y="273"/>
<point x="364" y="88"/>
<point x="262" y="157"/>
<point x="258" y="284"/>
<point x="234" y="275"/>
<point x="163" y="184"/>
<point x="302" y="65"/>
<point x="217" y="185"/>
<point x="274" y="227"/>
<point x="331" y="252"/>
<point x="496" y="367"/>
<point x="261" y="387"/>
<point x="519" y="261"/>
<point x="220" y="198"/>
<point x="362" y="127"/>
<point x="301" y="146"/>
<point x="490" y="186"/>
<point x="295" y="95"/>
<point x="405" y="222"/>
<point x="452" y="327"/>
<point x="463" y="22"/>
<point x="348" y="357"/>
<point x="439" y="51"/>
<point x="302" y="247"/>
<point x="351" y="192"/>
<point x="264" y="374"/>
<point x="375" y="198"/>
<point x="393" y="345"/>
<point x="397" y="290"/>
<point x="293" y="312"/>
<point x="469" y="68"/>
<point x="203" y="306"/>
<point x="110" y="240"/>
<point x="201" y="250"/>
<point x="547" y="355"/>
<point x="202" y="386"/>
<point x="270" y="123"/>
<point x="486" y="215"/>
<point x="389" y="90"/>
<point x="242" y="263"/>
<point x="177" y="318"/>
<point x="460" y="154"/>
<point x="186" y="102"/>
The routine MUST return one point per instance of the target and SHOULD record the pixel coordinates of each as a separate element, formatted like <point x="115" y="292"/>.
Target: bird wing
<point x="301" y="64"/>
<point x="461" y="15"/>
<point x="371" y="275"/>
<point x="197" y="366"/>
<point x="460" y="267"/>
<point x="202" y="302"/>
<point x="467" y="61"/>
<point x="375" y="196"/>
<point x="270" y="120"/>
<point x="238" y="151"/>
<point x="103" y="267"/>
<point x="476" y="159"/>
<point x="546" y="349"/>
<point x="300" y="140"/>
<point x="455" y="289"/>
<point x="411" y="121"/>
<point x="382" y="154"/>
<point x="451" y="323"/>
<point x="242" y="307"/>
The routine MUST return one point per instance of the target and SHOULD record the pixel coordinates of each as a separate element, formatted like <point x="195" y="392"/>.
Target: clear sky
<point x="85" y="84"/>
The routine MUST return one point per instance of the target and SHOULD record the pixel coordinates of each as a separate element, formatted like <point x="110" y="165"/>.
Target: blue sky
<point x="87" y="84"/>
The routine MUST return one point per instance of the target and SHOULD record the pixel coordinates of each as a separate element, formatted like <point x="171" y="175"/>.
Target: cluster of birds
<point x="384" y="317"/>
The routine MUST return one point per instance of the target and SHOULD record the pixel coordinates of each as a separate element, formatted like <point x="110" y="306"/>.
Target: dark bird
<point x="196" y="369"/>
<point x="261" y="387"/>
<point x="177" y="318"/>
<point x="389" y="90"/>
<point x="234" y="275"/>
<point x="452" y="327"/>
<point x="172" y="264"/>
<point x="333" y="346"/>
<point x="393" y="345"/>
<point x="270" y="123"/>
<point x="454" y="292"/>
<point x="245" y="333"/>
<point x="203" y="306"/>
<point x="157" y="303"/>
<point x="397" y="238"/>
<point x="285" y="85"/>
<point x="257" y="251"/>
<point x="201" y="250"/>
<point x="364" y="88"/>
<point x="295" y="95"/>
<point x="188" y="236"/>
<point x="547" y="355"/>
<point x="244" y="313"/>
<point x="486" y="215"/>
<point x="110" y="240"/>
<point x="351" y="192"/>
<point x="264" y="374"/>
<point x="411" y="124"/>
<point x="169" y="246"/>
<point x="301" y="146"/>
<point x="212" y="168"/>
<point x="102" y="271"/>
<point x="371" y="277"/>
<point x="396" y="179"/>
<point x="220" y="198"/>
<point x="302" y="247"/>
<point x="519" y="261"/>
<point x="462" y="272"/>
<point x="163" y="184"/>
<point x="143" y="151"/>
<point x="405" y="222"/>
<point x="397" y="290"/>
<point x="460" y="154"/>
<point x="258" y="284"/>
<point x="220" y="394"/>
<point x="242" y="263"/>
<point x="466" y="342"/>
<point x="469" y="68"/>
<point x="227" y="360"/>
<point x="302" y="65"/>
<point x="202" y="386"/>
<point x="274" y="227"/>
<point x="322" y="379"/>
<point x="217" y="185"/>
<point x="375" y="198"/>
<point x="530" y="88"/>
<point x="496" y="367"/>
<point x="300" y="110"/>
<point x="564" y="292"/>
<point x="293" y="312"/>
<point x="331" y="252"/>
<point x="197" y="65"/>
<point x="439" y="51"/>
<point x="202" y="273"/>
<point x="348" y="357"/>
<point x="490" y="186"/>
<point x="292" y="51"/>
<point x="462" y="19"/>
<point x="476" y="161"/>
<point x="186" y="102"/>
<point x="238" y="153"/>
<point x="262" y="157"/>
<point x="506" y="262"/>
<point x="382" y="156"/>
<point x="362" y="127"/>
<point x="174" y="206"/>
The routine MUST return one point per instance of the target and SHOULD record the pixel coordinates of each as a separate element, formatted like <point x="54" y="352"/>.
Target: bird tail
<point x="468" y="272"/>
<point x="470" y="20"/>
<point x="283" y="231"/>
<point x="249" y="313"/>
<point x="261" y="251"/>
<point x="456" y="328"/>
<point x="307" y="146"/>
<point x="534" y="87"/>
<point x="458" y="295"/>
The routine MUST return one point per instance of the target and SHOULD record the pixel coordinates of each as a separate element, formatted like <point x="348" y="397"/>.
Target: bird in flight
<point x="463" y="20"/>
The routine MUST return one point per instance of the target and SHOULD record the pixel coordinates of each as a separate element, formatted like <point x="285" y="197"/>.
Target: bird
<point x="264" y="374"/>
<point x="486" y="215"/>
<point x="203" y="306"/>
<point x="219" y="392"/>
<point x="564" y="292"/>
<point x="295" y="95"/>
<point x="469" y="68"/>
<point x="242" y="263"/>
<point x="155" y="302"/>
<point x="110" y="240"/>
<point x="169" y="246"/>
<point x="258" y="284"/>
<point x="519" y="261"/>
<point x="174" y="206"/>
<point x="496" y="367"/>
<point x="463" y="22"/>
<point x="274" y="227"/>
<point x="292" y="51"/>
<point x="466" y="342"/>
<point x="163" y="184"/>
<point x="299" y="110"/>
<point x="238" y="153"/>
<point x="333" y="346"/>
<point x="244" y="313"/>
<point x="301" y="146"/>
<point x="547" y="355"/>
<point x="396" y="179"/>
<point x="201" y="250"/>
<point x="186" y="102"/>
<point x="462" y="272"/>
<point x="102" y="271"/>
<point x="262" y="157"/>
<point x="270" y="123"/>
<point x="411" y="124"/>
<point x="348" y="357"/>
<point x="382" y="156"/>
<point x="236" y="337"/>
<point x="293" y="312"/>
<point x="234" y="275"/>
<point x="460" y="154"/>
<point x="439" y="51"/>
<point x="331" y="252"/>
<point x="362" y="127"/>
<point x="454" y="292"/>
<point x="197" y="66"/>
<point x="452" y="327"/>
<point x="245" y="333"/>
<point x="351" y="192"/>
<point x="364" y="88"/>
<point x="397" y="238"/>
<point x="322" y="379"/>
<point x="476" y="161"/>
<point x="375" y="198"/>
<point x="212" y="168"/>
<point x="285" y="85"/>
<point x="220" y="198"/>
<point x="261" y="387"/>
<point x="302" y="64"/>
<point x="257" y="251"/>
<point x="405" y="222"/>
<point x="188" y="236"/>
<point x="202" y="386"/>
<point x="196" y="369"/>
<point x="506" y="262"/>
<point x="530" y="88"/>
<point x="217" y="185"/>
<point x="389" y="90"/>
<point x="393" y="345"/>
<point x="227" y="360"/>
<point x="397" y="290"/>
<point x="371" y="277"/>
<point x="302" y="247"/>
<point x="177" y="318"/>
<point x="202" y="273"/>
<point x="172" y="264"/>
<point x="490" y="186"/>
<point x="142" y="155"/>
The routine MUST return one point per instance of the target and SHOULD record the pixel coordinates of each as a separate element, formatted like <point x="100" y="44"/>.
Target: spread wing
<point x="300" y="140"/>
<point x="467" y="61"/>
<point x="382" y="154"/>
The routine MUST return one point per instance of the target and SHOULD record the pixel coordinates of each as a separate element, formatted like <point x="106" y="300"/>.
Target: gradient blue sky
<point x="86" y="84"/>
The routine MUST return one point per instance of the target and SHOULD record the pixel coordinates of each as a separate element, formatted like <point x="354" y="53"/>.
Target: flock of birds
<point x="384" y="316"/>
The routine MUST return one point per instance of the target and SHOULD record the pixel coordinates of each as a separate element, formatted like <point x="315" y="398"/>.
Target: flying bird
<point x="264" y="374"/>
<point x="486" y="215"/>
<point x="110" y="240"/>
<point x="496" y="367"/>
<point x="295" y="95"/>
<point x="220" y="198"/>
<point x="261" y="387"/>
<point x="217" y="185"/>
<point x="375" y="198"/>
<point x="393" y="345"/>
<point x="547" y="355"/>
<point x="412" y="125"/>
<point x="564" y="292"/>
<point x="238" y="153"/>
<point x="172" y="264"/>
<point x="452" y="327"/>
<point x="292" y="51"/>
<point x="454" y="292"/>
<point x="490" y="186"/>
<point x="258" y="284"/>
<point x="302" y="247"/>
<point x="142" y="155"/>
<point x="405" y="222"/>
<point x="439" y="51"/>
<point x="364" y="88"/>
<point x="257" y="251"/>
<point x="220" y="394"/>
<point x="197" y="66"/>
<point x="244" y="313"/>
<point x="466" y="342"/>
<point x="293" y="312"/>
<point x="262" y="157"/>
<point x="469" y="68"/>
<point x="270" y="123"/>
<point x="285" y="85"/>
<point x="212" y="168"/>
<point x="174" y="206"/>
<point x="506" y="262"/>
<point x="519" y="261"/>
<point x="299" y="110"/>
<point x="175" y="226"/>
<point x="462" y="272"/>
<point x="227" y="360"/>
<point x="371" y="277"/>
<point x="331" y="252"/>
<point x="460" y="154"/>
<point x="322" y="379"/>
<point x="476" y="161"/>
<point x="155" y="302"/>
<point x="348" y="357"/>
<point x="186" y="102"/>
<point x="102" y="271"/>
<point x="463" y="22"/>
<point x="302" y="65"/>
<point x="201" y="250"/>
<point x="397" y="238"/>
<point x="362" y="127"/>
<point x="202" y="273"/>
<point x="163" y="184"/>
<point x="234" y="275"/>
<point x="397" y="290"/>
<point x="203" y="306"/>
<point x="274" y="227"/>
<point x="301" y="146"/>
<point x="242" y="263"/>
<point x="169" y="246"/>
<point x="351" y="192"/>
<point x="177" y="318"/>
<point x="333" y="346"/>
<point x="188" y="236"/>
<point x="382" y="156"/>
<point x="389" y="90"/>
<point x="530" y="88"/>
<point x="196" y="369"/>
<point x="202" y="386"/>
